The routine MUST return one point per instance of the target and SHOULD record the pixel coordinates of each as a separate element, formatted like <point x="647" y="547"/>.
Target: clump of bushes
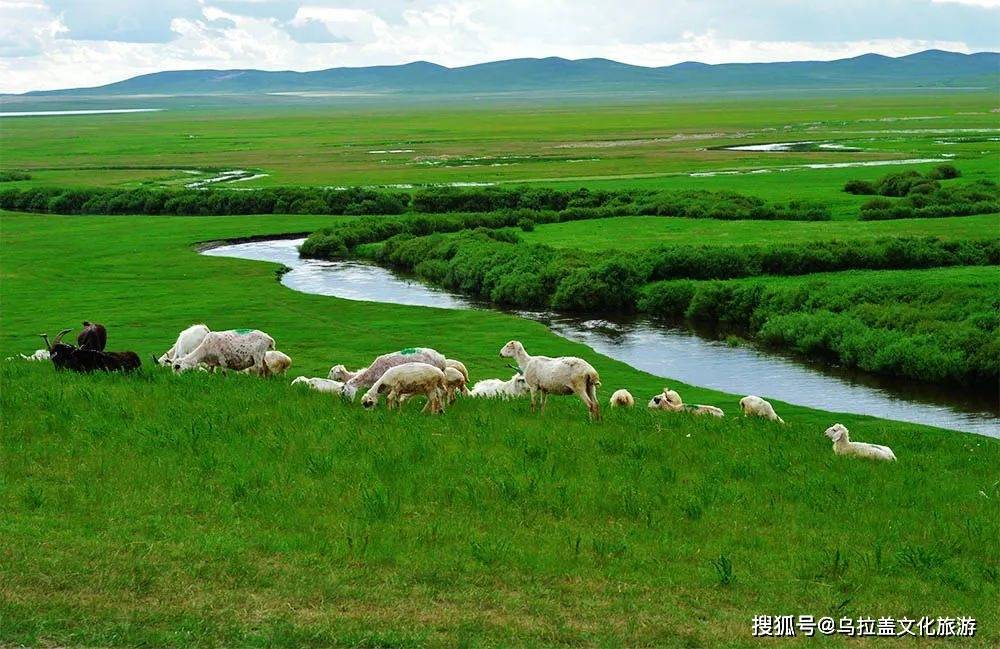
<point x="881" y="323"/>
<point x="903" y="183"/>
<point x="910" y="194"/>
<point x="11" y="175"/>
<point x="144" y="200"/>
<point x="527" y="204"/>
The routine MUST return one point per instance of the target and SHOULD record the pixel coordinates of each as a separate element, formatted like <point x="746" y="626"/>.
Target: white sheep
<point x="515" y="387"/>
<point x="622" y="398"/>
<point x="454" y="383"/>
<point x="561" y="376"/>
<point x="276" y="362"/>
<point x="39" y="355"/>
<point x="405" y="380"/>
<point x="670" y="401"/>
<point x="842" y="445"/>
<point x="755" y="406"/>
<point x="460" y="366"/>
<point x="367" y="376"/>
<point x="320" y="385"/>
<point x="186" y="343"/>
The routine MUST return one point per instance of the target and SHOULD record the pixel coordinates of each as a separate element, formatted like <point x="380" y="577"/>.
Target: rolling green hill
<point x="553" y="74"/>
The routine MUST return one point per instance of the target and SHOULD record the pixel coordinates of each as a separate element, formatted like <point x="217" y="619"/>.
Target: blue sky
<point x="65" y="43"/>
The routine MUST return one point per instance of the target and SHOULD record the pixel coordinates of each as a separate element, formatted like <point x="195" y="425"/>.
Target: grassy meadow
<point x="201" y="510"/>
<point x="601" y="144"/>
<point x="226" y="510"/>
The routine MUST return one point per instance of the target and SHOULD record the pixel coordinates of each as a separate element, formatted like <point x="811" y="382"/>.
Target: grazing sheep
<point x="454" y="383"/>
<point x="238" y="349"/>
<point x="561" y="376"/>
<point x="460" y="366"/>
<point x="186" y="343"/>
<point x="842" y="445"/>
<point x="670" y="401"/>
<point x="515" y="387"/>
<point x="276" y="362"/>
<point x="366" y="377"/>
<point x="622" y="398"/>
<point x="755" y="406"/>
<point x="405" y="380"/>
<point x="320" y="385"/>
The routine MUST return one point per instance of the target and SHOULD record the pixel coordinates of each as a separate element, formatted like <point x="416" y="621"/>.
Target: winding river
<point x="654" y="348"/>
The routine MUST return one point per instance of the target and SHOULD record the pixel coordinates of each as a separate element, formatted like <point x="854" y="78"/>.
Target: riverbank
<point x="651" y="347"/>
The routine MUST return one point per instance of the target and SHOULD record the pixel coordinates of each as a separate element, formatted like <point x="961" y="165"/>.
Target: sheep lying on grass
<point x="39" y="355"/>
<point x="622" y="398"/>
<point x="753" y="406"/>
<point x="564" y="375"/>
<point x="515" y="387"/>
<point x="320" y="385"/>
<point x="406" y="380"/>
<point x="671" y="401"/>
<point x="366" y="377"/>
<point x="842" y="445"/>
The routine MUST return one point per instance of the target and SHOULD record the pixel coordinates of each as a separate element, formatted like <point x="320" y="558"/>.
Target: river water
<point x="655" y="348"/>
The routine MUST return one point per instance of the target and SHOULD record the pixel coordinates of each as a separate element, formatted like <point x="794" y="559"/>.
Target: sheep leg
<point x="544" y="398"/>
<point x="595" y="405"/>
<point x="532" y="390"/>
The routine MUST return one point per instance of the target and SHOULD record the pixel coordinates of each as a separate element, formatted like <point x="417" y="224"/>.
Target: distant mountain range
<point x="933" y="68"/>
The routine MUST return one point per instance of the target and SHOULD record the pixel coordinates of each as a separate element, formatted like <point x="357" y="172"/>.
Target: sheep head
<point x="340" y="373"/>
<point x="512" y="349"/>
<point x="837" y="432"/>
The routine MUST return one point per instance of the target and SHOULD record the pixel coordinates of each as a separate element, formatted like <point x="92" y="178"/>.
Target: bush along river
<point x="653" y="347"/>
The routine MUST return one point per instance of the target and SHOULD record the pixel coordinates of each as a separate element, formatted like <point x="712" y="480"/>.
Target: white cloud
<point x="988" y="4"/>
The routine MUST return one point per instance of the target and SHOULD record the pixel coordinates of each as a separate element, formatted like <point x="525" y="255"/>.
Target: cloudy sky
<point x="48" y="44"/>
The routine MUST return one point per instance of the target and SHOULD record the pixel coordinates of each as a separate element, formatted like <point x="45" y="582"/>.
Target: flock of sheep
<point x="416" y="371"/>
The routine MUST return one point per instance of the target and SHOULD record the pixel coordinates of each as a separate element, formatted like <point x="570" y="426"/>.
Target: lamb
<point x="622" y="398"/>
<point x="842" y="445"/>
<point x="516" y="386"/>
<point x="366" y="377"/>
<point x="454" y="383"/>
<point x="405" y="380"/>
<point x="186" y="343"/>
<point x="755" y="406"/>
<point x="276" y="362"/>
<point x="460" y="366"/>
<point x="671" y="401"/>
<point x="320" y="385"/>
<point x="562" y="376"/>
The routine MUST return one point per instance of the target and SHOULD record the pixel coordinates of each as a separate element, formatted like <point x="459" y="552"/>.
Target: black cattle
<point x="68" y="357"/>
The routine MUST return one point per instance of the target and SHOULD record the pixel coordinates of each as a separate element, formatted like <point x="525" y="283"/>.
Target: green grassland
<point x="635" y="142"/>
<point x="204" y="510"/>
<point x="642" y="232"/>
